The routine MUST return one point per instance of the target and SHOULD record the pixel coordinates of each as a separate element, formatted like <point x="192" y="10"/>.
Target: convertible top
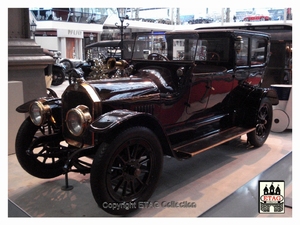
<point x="106" y="43"/>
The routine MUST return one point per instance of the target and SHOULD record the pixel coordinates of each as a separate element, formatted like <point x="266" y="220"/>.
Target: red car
<point x="257" y="18"/>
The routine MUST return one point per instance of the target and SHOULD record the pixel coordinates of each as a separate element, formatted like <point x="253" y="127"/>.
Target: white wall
<point x="47" y="42"/>
<point x="15" y="119"/>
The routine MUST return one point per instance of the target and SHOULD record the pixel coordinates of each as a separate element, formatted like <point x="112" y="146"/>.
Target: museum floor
<point x="221" y="182"/>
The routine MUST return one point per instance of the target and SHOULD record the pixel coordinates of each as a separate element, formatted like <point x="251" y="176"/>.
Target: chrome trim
<point x="44" y="111"/>
<point x="85" y="118"/>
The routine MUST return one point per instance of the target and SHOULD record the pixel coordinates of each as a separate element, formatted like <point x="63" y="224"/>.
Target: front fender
<point x="112" y="119"/>
<point x="24" y="108"/>
<point x="119" y="119"/>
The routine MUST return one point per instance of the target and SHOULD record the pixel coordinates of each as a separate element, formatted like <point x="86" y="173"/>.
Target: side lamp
<point x="32" y="29"/>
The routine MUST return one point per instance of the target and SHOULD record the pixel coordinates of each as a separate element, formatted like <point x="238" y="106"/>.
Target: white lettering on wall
<point x="70" y="33"/>
<point x="74" y="32"/>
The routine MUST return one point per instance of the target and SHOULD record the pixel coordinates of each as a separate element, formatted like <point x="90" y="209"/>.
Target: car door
<point x="251" y="60"/>
<point x="221" y="78"/>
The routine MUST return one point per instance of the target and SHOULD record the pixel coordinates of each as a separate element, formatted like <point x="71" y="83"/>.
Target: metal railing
<point x="68" y="15"/>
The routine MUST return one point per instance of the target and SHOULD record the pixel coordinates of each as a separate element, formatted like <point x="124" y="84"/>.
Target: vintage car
<point x="198" y="91"/>
<point x="163" y="21"/>
<point x="94" y="67"/>
<point x="106" y="48"/>
<point x="101" y="58"/>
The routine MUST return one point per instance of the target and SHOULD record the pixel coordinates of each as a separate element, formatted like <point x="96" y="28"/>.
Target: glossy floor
<point x="203" y="181"/>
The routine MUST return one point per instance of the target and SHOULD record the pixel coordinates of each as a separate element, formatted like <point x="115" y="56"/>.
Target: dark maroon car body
<point x="196" y="90"/>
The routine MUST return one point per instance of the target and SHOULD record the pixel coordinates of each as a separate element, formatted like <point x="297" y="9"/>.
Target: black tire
<point x="51" y="93"/>
<point x="74" y="74"/>
<point x="72" y="78"/>
<point x="41" y="162"/>
<point x="264" y="122"/>
<point x="67" y="63"/>
<point x="126" y="170"/>
<point x="58" y="76"/>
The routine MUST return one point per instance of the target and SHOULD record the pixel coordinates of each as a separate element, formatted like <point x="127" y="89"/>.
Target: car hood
<point x="123" y="88"/>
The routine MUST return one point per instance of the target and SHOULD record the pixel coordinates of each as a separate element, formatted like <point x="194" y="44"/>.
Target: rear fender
<point x="251" y="105"/>
<point x="256" y="96"/>
<point x="271" y="94"/>
<point x="244" y="101"/>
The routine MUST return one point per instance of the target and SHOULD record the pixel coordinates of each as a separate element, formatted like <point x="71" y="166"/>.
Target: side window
<point x="178" y="49"/>
<point x="213" y="49"/>
<point x="184" y="49"/>
<point x="242" y="54"/>
<point x="258" y="49"/>
<point x="201" y="53"/>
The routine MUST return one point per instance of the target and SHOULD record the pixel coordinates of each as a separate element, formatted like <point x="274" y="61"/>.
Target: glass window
<point x="201" y="53"/>
<point x="217" y="49"/>
<point x="258" y="50"/>
<point x="242" y="55"/>
<point x="184" y="49"/>
<point x="210" y="49"/>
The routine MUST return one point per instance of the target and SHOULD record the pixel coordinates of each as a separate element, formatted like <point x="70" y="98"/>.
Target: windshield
<point x="148" y="44"/>
<point x="188" y="47"/>
<point x="103" y="52"/>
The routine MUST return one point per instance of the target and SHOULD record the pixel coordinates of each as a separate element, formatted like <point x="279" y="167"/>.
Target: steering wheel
<point x="157" y="56"/>
<point x="213" y="56"/>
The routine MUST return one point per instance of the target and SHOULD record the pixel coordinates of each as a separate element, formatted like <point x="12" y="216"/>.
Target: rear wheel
<point x="126" y="170"/>
<point x="72" y="78"/>
<point x="58" y="76"/>
<point x="263" y="126"/>
<point x="67" y="63"/>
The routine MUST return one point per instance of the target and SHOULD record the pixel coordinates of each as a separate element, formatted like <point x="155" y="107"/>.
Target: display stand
<point x="282" y="113"/>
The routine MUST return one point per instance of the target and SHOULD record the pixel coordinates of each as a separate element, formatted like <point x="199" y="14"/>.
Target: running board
<point x="197" y="146"/>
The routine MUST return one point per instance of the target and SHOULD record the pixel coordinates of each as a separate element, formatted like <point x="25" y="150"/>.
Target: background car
<point x="257" y="18"/>
<point x="201" y="20"/>
<point x="163" y="21"/>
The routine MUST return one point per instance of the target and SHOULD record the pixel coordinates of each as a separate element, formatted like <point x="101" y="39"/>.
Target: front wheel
<point x="126" y="170"/>
<point x="264" y="122"/>
<point x="74" y="74"/>
<point x="38" y="155"/>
